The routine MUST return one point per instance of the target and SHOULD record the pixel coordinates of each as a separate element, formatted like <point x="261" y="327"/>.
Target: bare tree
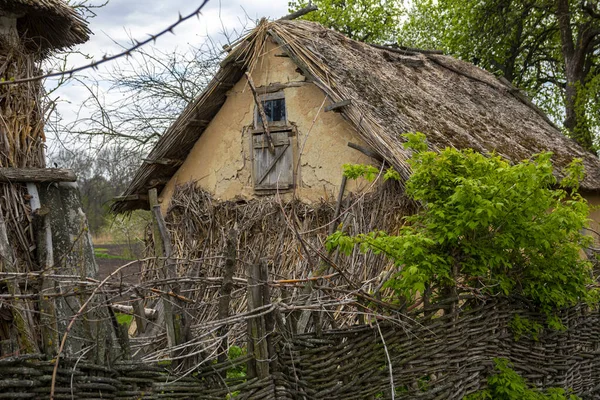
<point x="126" y="109"/>
<point x="137" y="100"/>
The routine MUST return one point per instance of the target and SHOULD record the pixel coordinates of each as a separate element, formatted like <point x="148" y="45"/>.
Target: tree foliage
<point x="547" y="47"/>
<point x="488" y="226"/>
<point x="365" y="20"/>
<point x="101" y="176"/>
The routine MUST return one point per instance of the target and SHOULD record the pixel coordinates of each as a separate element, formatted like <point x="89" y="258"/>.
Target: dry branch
<point x="301" y="12"/>
<point x="149" y="313"/>
<point x="261" y="112"/>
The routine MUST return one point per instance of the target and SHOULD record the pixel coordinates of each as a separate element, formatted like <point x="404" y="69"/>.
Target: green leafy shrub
<point x="507" y="384"/>
<point x="489" y="226"/>
<point x="239" y="371"/>
<point x="525" y="327"/>
<point x="124" y="319"/>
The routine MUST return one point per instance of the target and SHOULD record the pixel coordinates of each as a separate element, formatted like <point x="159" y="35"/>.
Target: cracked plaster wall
<point x="220" y="161"/>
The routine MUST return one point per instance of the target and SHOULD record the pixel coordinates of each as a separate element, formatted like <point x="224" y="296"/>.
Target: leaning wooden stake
<point x="261" y="112"/>
<point x="303" y="317"/>
<point x="162" y="248"/>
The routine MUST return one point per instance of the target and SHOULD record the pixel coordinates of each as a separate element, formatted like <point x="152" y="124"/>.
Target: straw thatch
<point x="47" y="24"/>
<point x="392" y="91"/>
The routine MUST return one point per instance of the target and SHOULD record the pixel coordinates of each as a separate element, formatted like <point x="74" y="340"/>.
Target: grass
<point x="100" y="252"/>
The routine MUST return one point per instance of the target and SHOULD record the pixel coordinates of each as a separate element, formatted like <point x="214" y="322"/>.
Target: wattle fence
<point x="441" y="357"/>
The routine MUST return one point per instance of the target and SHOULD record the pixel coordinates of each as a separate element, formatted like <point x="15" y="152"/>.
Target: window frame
<point x="279" y="95"/>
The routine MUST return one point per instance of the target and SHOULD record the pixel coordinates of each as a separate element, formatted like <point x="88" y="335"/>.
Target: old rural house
<point x="248" y="204"/>
<point x="329" y="101"/>
<point x="322" y="91"/>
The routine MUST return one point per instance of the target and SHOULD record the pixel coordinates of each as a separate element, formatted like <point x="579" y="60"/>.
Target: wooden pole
<point x="269" y="318"/>
<point x="162" y="248"/>
<point x="258" y="366"/>
<point x="261" y="112"/>
<point x="225" y="291"/>
<point x="338" y="206"/>
<point x="22" y="315"/>
<point x="39" y="175"/>
<point x="303" y="317"/>
<point x="45" y="255"/>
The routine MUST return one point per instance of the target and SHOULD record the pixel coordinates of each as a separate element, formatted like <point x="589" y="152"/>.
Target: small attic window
<point x="274" y="106"/>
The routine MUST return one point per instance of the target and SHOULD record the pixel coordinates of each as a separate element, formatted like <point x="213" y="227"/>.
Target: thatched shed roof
<point x="392" y="91"/>
<point x="47" y="24"/>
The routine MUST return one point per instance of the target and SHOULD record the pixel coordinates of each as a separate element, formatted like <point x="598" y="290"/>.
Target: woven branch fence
<point x="246" y="289"/>
<point x="443" y="357"/>
<point x="446" y="358"/>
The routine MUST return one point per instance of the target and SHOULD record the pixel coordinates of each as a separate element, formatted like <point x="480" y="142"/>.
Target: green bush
<point x="486" y="225"/>
<point x="507" y="384"/>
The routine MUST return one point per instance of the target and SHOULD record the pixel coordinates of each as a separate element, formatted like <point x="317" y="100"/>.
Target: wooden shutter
<point x="273" y="171"/>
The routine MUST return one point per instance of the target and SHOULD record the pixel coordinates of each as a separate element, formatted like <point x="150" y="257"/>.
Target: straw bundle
<point x="21" y="146"/>
<point x="44" y="25"/>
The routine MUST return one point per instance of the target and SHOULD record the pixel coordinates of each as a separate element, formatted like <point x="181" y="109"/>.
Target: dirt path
<point x="111" y="256"/>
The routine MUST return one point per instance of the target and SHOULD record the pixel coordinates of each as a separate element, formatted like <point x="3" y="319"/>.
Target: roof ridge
<point x="396" y="48"/>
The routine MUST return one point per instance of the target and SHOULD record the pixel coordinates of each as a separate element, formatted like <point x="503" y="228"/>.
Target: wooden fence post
<point x="21" y="309"/>
<point x="257" y="334"/>
<point x="45" y="258"/>
<point x="269" y="318"/>
<point x="225" y="291"/>
<point x="139" y="314"/>
<point x="162" y="248"/>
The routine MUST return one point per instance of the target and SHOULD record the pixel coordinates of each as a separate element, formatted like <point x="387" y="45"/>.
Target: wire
<point x="105" y="58"/>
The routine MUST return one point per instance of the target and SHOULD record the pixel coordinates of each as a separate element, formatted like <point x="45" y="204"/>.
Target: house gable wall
<point x="221" y="161"/>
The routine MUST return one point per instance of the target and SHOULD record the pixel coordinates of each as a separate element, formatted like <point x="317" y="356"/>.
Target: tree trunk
<point x="574" y="52"/>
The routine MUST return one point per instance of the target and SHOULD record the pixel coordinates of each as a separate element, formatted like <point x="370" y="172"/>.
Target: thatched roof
<point x="392" y="91"/>
<point x="47" y="24"/>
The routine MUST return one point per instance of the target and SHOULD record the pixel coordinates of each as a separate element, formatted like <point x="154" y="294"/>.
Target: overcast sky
<point x="121" y="20"/>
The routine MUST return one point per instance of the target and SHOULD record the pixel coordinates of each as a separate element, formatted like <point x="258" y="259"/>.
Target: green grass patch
<point x="101" y="252"/>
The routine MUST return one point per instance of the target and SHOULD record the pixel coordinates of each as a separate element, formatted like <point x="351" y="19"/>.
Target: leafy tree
<point x="101" y="176"/>
<point x="365" y="20"/>
<point x="486" y="225"/>
<point x="546" y="47"/>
